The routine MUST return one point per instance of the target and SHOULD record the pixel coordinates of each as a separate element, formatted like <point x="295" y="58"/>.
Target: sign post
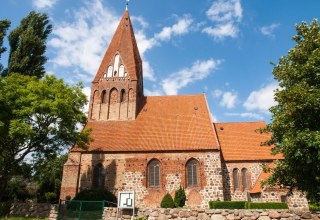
<point x="126" y="201"/>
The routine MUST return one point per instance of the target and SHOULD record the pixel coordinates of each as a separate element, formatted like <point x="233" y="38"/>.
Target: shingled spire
<point x="117" y="89"/>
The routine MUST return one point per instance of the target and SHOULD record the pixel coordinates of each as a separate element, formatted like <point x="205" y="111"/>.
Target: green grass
<point x="22" y="218"/>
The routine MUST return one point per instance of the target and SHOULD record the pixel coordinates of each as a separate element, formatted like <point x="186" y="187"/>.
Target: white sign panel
<point x="126" y="200"/>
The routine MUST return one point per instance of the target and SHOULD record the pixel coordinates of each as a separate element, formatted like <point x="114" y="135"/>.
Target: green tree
<point x="180" y="197"/>
<point x="295" y="124"/>
<point x="28" y="45"/>
<point x="4" y="25"/>
<point x="48" y="175"/>
<point x="167" y="201"/>
<point x="39" y="118"/>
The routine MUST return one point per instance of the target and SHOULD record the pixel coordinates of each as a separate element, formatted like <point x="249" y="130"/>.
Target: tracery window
<point x="98" y="177"/>
<point x="192" y="173"/>
<point x="235" y="174"/>
<point x="154" y="173"/>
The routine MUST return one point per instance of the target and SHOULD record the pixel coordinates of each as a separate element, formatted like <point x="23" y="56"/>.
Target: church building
<point x="152" y="145"/>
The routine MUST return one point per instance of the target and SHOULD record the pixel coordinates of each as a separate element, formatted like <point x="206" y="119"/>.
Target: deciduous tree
<point x="28" y="45"/>
<point x="39" y="118"/>
<point x="295" y="124"/>
<point x="4" y="25"/>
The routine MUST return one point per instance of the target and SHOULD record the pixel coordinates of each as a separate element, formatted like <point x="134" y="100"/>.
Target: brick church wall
<point x="128" y="172"/>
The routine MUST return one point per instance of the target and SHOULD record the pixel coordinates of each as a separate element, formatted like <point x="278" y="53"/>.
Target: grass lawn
<point x="22" y="218"/>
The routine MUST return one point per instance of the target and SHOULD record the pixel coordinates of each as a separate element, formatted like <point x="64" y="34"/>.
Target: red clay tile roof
<point x="241" y="141"/>
<point x="124" y="42"/>
<point x="165" y="123"/>
<point x="257" y="188"/>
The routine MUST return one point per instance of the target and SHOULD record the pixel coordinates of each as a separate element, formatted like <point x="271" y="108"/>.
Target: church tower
<point x="117" y="89"/>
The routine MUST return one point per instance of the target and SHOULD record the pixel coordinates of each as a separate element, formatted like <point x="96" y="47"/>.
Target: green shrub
<point x="266" y="205"/>
<point x="5" y="208"/>
<point x="227" y="204"/>
<point x="180" y="197"/>
<point x="167" y="201"/>
<point x="96" y="195"/>
<point x="314" y="207"/>
<point x="51" y="197"/>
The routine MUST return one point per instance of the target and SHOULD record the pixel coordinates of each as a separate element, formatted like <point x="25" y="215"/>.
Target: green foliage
<point x="37" y="118"/>
<point x="266" y="205"/>
<point x="17" y="189"/>
<point x="227" y="204"/>
<point x="4" y="25"/>
<point x="246" y="205"/>
<point x="5" y="208"/>
<point x="28" y="45"/>
<point x="167" y="201"/>
<point x="180" y="197"/>
<point x="295" y="123"/>
<point x="314" y="206"/>
<point x="96" y="195"/>
<point x="48" y="175"/>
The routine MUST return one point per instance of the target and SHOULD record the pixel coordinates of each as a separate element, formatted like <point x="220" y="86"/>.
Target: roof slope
<point x="124" y="42"/>
<point x="241" y="141"/>
<point x="165" y="123"/>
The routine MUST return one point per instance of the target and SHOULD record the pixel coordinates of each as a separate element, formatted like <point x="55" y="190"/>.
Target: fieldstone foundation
<point x="34" y="210"/>
<point x="215" y="214"/>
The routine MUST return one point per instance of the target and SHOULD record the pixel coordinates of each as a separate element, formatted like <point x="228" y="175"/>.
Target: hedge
<point x="314" y="207"/>
<point x="227" y="204"/>
<point x="97" y="195"/>
<point x="246" y="205"/>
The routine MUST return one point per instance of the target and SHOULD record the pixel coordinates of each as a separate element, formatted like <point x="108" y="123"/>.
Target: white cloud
<point x="213" y="117"/>
<point x="81" y="43"/>
<point x="246" y="115"/>
<point x="155" y="92"/>
<point x="87" y="92"/>
<point x="198" y="71"/>
<point x="221" y="31"/>
<point x="180" y="28"/>
<point x="268" y="30"/>
<point x="261" y="99"/>
<point x="225" y="15"/>
<point x="227" y="99"/>
<point x="41" y="4"/>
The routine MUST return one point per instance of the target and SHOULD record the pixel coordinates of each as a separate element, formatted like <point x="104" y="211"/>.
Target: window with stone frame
<point x="235" y="175"/>
<point x="192" y="173"/>
<point x="244" y="176"/>
<point x="154" y="173"/>
<point x="98" y="176"/>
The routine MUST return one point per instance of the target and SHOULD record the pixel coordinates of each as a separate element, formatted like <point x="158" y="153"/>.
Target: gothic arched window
<point x="244" y="178"/>
<point x="235" y="174"/>
<point x="98" y="177"/>
<point x="154" y="173"/>
<point x="192" y="173"/>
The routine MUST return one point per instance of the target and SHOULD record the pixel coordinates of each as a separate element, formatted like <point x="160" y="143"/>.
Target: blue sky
<point x="222" y="48"/>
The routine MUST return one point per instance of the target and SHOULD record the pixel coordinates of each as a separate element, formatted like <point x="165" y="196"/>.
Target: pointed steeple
<point x="117" y="89"/>
<point x="124" y="44"/>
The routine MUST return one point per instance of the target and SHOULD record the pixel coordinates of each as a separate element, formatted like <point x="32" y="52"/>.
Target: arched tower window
<point x="122" y="95"/>
<point x="109" y="74"/>
<point x="104" y="96"/>
<point x="154" y="173"/>
<point x="244" y="178"/>
<point x="192" y="173"/>
<point x="235" y="174"/>
<point x="98" y="177"/>
<point x="121" y="71"/>
<point x="116" y="65"/>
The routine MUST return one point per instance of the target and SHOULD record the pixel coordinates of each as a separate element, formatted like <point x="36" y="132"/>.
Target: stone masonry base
<point x="216" y="214"/>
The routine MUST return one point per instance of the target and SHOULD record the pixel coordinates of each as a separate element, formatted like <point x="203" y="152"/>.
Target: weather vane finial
<point x="127" y="3"/>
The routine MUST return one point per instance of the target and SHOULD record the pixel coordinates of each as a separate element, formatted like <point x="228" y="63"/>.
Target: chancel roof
<point x="164" y="123"/>
<point x="242" y="141"/>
